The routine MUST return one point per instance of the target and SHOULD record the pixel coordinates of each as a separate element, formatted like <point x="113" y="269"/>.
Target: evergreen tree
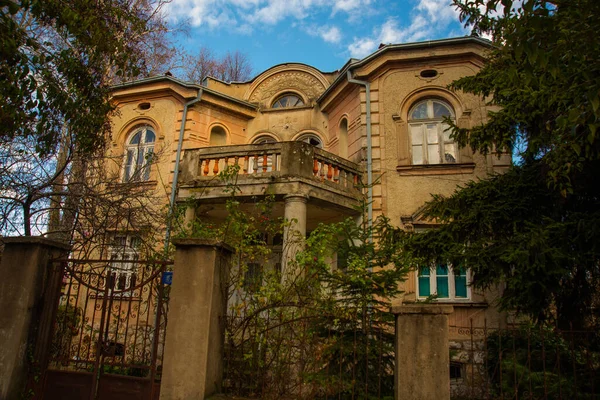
<point x="536" y="227"/>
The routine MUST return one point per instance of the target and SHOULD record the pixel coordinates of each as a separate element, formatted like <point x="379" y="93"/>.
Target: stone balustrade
<point x="273" y="160"/>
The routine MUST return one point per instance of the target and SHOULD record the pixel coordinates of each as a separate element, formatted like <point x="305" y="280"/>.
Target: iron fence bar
<point x="529" y="361"/>
<point x="125" y="334"/>
<point x="99" y="344"/>
<point x="572" y="346"/>
<point x="589" y="365"/>
<point x="63" y="353"/>
<point x="514" y="366"/>
<point x="558" y="365"/>
<point x="380" y="360"/>
<point x="472" y="357"/>
<point x="500" y="363"/>
<point x="83" y="320"/>
<point x="354" y="362"/>
<point x="156" y="334"/>
<point x="544" y="362"/>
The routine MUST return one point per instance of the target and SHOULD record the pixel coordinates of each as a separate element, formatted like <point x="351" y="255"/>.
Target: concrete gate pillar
<point x="29" y="291"/>
<point x="193" y="358"/>
<point x="422" y="353"/>
<point x="295" y="230"/>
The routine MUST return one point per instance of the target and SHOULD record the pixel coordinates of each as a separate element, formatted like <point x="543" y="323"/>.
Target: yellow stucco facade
<point x="250" y="124"/>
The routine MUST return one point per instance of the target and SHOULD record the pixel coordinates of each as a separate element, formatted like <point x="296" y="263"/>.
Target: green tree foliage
<point x="536" y="227"/>
<point x="54" y="56"/>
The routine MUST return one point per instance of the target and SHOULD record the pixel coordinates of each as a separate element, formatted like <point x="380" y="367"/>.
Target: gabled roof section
<point x="184" y="90"/>
<point x="354" y="64"/>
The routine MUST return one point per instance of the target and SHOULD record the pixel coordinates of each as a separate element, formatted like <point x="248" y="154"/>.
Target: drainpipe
<point x="367" y="86"/>
<point x="176" y="171"/>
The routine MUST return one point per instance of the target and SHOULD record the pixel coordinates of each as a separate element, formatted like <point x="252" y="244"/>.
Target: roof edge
<point x="401" y="46"/>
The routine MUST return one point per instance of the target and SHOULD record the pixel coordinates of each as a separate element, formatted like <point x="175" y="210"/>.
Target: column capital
<point x="296" y="197"/>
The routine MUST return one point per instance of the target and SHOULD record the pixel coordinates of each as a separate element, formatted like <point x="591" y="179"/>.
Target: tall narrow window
<point x="343" y="138"/>
<point x="138" y="155"/>
<point x="430" y="135"/>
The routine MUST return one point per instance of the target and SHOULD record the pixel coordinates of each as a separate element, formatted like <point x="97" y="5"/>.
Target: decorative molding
<point x="300" y="81"/>
<point x="437" y="169"/>
<point x="397" y="119"/>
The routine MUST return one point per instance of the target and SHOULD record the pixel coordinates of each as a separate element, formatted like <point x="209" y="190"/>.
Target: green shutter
<point x="460" y="282"/>
<point x="442" y="281"/>
<point x="424" y="286"/>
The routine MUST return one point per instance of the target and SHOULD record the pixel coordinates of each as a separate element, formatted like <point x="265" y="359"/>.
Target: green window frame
<point x="443" y="281"/>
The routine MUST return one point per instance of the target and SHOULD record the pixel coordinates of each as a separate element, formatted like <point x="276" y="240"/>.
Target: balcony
<point x="275" y="168"/>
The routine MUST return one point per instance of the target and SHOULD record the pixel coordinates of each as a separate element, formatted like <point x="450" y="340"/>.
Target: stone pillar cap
<point x="421" y="309"/>
<point x="188" y="242"/>
<point x="39" y="240"/>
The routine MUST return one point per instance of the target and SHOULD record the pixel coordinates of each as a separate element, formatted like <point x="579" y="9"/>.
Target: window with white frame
<point x="444" y="282"/>
<point x="123" y="252"/>
<point x="430" y="135"/>
<point x="138" y="155"/>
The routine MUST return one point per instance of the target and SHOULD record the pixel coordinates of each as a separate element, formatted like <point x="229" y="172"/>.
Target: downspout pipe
<point x="176" y="171"/>
<point x="367" y="86"/>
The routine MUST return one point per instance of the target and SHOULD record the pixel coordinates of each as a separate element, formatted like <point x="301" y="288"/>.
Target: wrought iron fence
<point x="109" y="320"/>
<point x="524" y="362"/>
<point x="297" y="355"/>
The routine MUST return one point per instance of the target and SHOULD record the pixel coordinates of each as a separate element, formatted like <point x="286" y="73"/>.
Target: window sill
<point x="436" y="169"/>
<point x="269" y="110"/>
<point x="140" y="185"/>
<point x="455" y="303"/>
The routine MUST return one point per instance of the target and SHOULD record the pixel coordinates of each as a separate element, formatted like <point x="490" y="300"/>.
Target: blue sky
<point x="322" y="33"/>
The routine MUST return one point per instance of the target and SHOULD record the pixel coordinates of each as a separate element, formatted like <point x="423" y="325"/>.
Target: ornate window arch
<point x="288" y="100"/>
<point x="139" y="150"/>
<point x="262" y="139"/>
<point x="429" y="134"/>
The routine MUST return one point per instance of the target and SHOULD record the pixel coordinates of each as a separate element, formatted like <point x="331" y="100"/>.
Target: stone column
<point x="193" y="358"/>
<point x="190" y="216"/>
<point x="294" y="232"/>
<point x="422" y="353"/>
<point x="29" y="291"/>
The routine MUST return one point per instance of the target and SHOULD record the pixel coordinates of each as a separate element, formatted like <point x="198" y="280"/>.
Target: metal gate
<point x="108" y="331"/>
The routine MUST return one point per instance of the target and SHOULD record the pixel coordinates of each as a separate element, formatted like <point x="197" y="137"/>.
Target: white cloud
<point x="428" y="18"/>
<point x="331" y="35"/>
<point x="256" y="12"/>
<point x="349" y="5"/>
<point x="362" y="47"/>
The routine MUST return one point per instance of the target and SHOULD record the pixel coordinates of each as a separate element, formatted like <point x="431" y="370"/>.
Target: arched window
<point x="343" y="138"/>
<point x="311" y="139"/>
<point x="218" y="136"/>
<point x="288" y="100"/>
<point x="138" y="155"/>
<point x="264" y="139"/>
<point x="430" y="136"/>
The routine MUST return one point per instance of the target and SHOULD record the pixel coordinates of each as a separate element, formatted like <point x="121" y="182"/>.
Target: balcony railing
<point x="273" y="160"/>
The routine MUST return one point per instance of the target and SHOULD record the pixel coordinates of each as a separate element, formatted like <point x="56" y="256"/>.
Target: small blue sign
<point x="167" y="278"/>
